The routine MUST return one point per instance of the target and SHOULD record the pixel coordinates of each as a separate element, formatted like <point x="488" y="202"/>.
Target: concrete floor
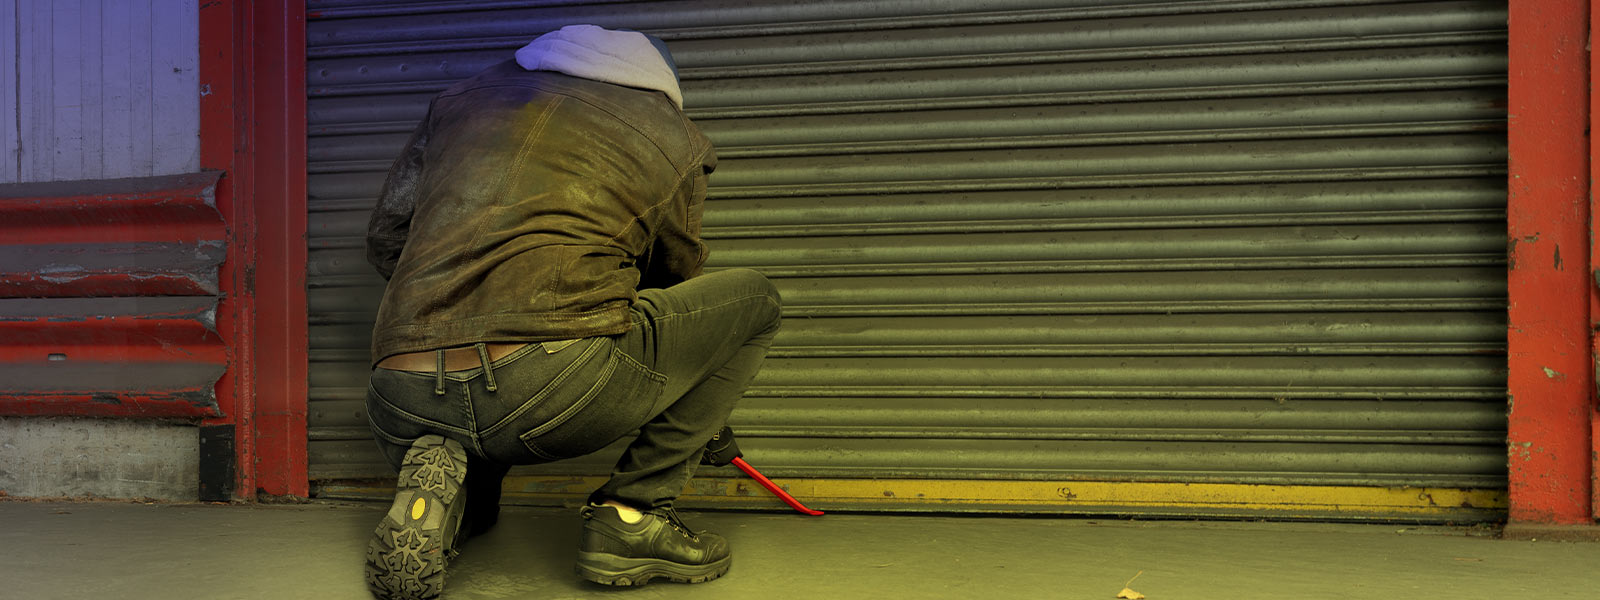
<point x="176" y="551"/>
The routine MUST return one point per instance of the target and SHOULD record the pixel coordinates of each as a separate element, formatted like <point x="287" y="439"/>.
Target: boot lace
<point x="677" y="524"/>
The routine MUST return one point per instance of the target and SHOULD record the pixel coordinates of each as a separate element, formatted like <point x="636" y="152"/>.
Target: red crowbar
<point x="773" y="487"/>
<point x="722" y="450"/>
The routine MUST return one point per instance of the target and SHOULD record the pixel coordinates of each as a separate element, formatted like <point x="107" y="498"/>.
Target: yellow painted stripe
<point x="1056" y="496"/>
<point x="1152" y="495"/>
<point x="1027" y="496"/>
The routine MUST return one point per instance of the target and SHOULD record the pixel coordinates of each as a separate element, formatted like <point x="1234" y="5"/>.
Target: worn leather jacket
<point x="531" y="206"/>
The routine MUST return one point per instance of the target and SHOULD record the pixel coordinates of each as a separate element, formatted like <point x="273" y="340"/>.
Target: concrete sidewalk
<point x="177" y="551"/>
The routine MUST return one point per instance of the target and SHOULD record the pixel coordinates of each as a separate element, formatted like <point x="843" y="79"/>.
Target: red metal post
<point x="1551" y="368"/>
<point x="1594" y="264"/>
<point x="278" y="82"/>
<point x="220" y="131"/>
<point x="252" y="126"/>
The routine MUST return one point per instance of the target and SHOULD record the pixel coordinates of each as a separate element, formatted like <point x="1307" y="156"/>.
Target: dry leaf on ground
<point x="1127" y="593"/>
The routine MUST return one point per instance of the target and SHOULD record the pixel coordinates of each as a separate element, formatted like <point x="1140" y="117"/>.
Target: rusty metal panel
<point x="1211" y="241"/>
<point x="108" y="297"/>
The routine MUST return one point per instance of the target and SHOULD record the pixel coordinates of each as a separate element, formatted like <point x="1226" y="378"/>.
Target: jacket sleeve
<point x="678" y="254"/>
<point x="391" y="217"/>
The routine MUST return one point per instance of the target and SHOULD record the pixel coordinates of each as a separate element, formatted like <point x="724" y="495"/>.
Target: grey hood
<point x="626" y="58"/>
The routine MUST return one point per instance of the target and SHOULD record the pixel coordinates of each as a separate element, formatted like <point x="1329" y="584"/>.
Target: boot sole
<point x="407" y="555"/>
<point x="610" y="569"/>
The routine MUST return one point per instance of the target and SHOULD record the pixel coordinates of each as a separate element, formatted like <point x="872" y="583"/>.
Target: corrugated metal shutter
<point x="1211" y="241"/>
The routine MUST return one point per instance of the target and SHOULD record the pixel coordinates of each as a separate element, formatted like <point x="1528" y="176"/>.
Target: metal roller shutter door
<point x="1214" y="242"/>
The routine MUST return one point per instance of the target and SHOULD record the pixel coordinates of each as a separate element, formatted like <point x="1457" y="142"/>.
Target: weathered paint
<point x="1594" y="251"/>
<point x="1083" y="497"/>
<point x="177" y="208"/>
<point x="278" y="76"/>
<point x="101" y="89"/>
<point x="222" y="118"/>
<point x="127" y="269"/>
<point x="108" y="291"/>
<point x="1550" y="298"/>
<point x="10" y="135"/>
<point x="252" y="123"/>
<point x="145" y="357"/>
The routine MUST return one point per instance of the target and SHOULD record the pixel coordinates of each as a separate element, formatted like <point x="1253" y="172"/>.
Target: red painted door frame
<point x="1551" y="368"/>
<point x="253" y="128"/>
<point x="1593" y="268"/>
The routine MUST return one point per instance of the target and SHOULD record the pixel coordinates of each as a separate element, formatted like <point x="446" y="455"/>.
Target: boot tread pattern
<point x="407" y="555"/>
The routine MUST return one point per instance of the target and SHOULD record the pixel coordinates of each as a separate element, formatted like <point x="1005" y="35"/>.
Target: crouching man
<point x="540" y="234"/>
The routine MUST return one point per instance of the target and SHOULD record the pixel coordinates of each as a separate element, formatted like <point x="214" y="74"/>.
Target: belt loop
<point x="488" y="373"/>
<point x="438" y="372"/>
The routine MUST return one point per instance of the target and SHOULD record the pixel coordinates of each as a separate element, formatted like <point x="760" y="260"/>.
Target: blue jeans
<point x="674" y="376"/>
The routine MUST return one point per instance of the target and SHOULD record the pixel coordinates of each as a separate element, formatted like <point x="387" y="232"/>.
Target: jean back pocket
<point x="616" y="402"/>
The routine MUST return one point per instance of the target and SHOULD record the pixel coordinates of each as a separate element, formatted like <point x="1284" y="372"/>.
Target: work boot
<point x="616" y="552"/>
<point x="408" y="552"/>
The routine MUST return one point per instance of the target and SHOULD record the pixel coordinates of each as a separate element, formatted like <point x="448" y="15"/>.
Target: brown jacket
<point x="530" y="206"/>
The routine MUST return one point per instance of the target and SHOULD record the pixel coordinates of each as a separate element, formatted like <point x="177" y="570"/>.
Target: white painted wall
<point x="10" y="151"/>
<point x="99" y="89"/>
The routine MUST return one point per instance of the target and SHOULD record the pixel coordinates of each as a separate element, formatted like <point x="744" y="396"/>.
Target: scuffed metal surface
<point x="1552" y="314"/>
<point x="108" y="297"/>
<point x="153" y="268"/>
